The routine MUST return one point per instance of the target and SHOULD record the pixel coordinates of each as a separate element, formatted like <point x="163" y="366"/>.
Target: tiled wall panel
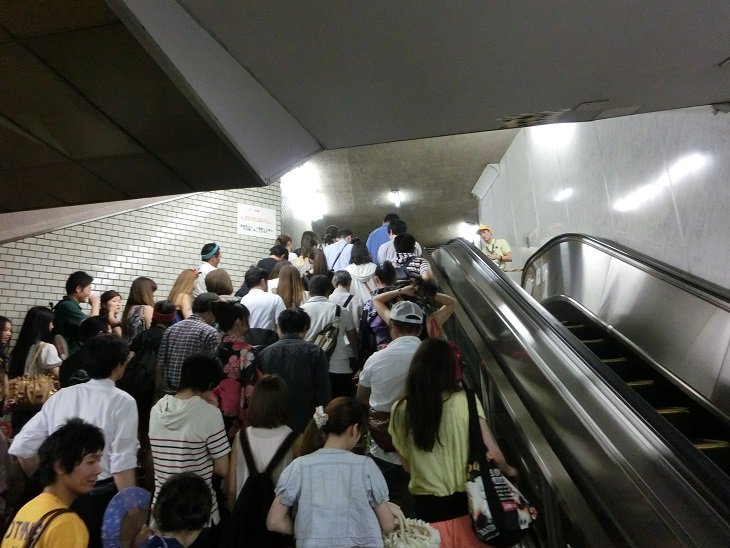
<point x="157" y="241"/>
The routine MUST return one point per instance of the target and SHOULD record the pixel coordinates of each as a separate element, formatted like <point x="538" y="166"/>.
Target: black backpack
<point x="140" y="374"/>
<point x="248" y="519"/>
<point x="401" y="272"/>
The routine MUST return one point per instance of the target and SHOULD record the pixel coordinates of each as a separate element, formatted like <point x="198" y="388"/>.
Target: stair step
<point x="646" y="388"/>
<point x="718" y="451"/>
<point x="678" y="416"/>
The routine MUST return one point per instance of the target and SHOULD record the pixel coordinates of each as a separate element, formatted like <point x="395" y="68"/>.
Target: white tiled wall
<point x="157" y="241"/>
<point x="673" y="166"/>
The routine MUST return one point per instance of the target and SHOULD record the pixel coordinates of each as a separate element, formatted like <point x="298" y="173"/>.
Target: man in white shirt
<point x="387" y="252"/>
<point x="383" y="381"/>
<point x="264" y="307"/>
<point x="322" y="313"/>
<point x="210" y="256"/>
<point x="338" y="253"/>
<point x="102" y="404"/>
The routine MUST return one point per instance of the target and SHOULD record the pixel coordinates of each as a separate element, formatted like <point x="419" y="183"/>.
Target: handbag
<point x="30" y="392"/>
<point x="500" y="514"/>
<point x="411" y="533"/>
<point x="378" y="422"/>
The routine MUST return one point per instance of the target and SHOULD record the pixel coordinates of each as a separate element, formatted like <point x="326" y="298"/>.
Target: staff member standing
<point x="496" y="250"/>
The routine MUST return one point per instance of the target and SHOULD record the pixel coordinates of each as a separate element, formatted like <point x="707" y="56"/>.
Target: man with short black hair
<point x="67" y="314"/>
<point x="276" y="254"/>
<point x="406" y="258"/>
<point x="379" y="236"/>
<point x="187" y="432"/>
<point x="101" y="403"/>
<point x="210" y="257"/>
<point x="302" y="365"/>
<point x="387" y="252"/>
<point x="69" y="461"/>
<point x="194" y="334"/>
<point x="322" y="313"/>
<point x="338" y="254"/>
<point x="264" y="307"/>
<point x="73" y="369"/>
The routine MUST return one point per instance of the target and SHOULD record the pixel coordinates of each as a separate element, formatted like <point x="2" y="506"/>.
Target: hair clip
<point x="320" y="417"/>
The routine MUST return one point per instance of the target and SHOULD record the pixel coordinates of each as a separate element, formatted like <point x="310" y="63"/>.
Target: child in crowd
<point x="341" y="497"/>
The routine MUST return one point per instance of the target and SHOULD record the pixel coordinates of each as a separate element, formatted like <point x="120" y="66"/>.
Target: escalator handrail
<point x="673" y="275"/>
<point x="714" y="483"/>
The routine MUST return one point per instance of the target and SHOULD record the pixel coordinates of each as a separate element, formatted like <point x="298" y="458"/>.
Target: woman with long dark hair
<point x="34" y="354"/>
<point x="362" y="269"/>
<point x="430" y="431"/>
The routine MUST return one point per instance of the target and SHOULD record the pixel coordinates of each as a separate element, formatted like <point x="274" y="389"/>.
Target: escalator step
<point x="703" y="444"/>
<point x="678" y="416"/>
<point x="620" y="366"/>
<point x="592" y="341"/>
<point x="646" y="388"/>
<point x="718" y="451"/>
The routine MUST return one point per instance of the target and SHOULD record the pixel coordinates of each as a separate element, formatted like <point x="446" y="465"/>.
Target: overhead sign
<point x="256" y="221"/>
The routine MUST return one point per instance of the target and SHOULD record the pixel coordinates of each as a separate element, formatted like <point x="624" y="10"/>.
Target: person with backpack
<point x="408" y="265"/>
<point x="353" y="509"/>
<point x="258" y="456"/>
<point x="324" y="315"/>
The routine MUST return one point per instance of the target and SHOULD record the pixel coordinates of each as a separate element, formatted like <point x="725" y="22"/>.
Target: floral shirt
<point x="236" y="388"/>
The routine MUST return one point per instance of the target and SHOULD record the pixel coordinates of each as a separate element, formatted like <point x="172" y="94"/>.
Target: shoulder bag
<point x="30" y="392"/>
<point x="500" y="514"/>
<point x="327" y="338"/>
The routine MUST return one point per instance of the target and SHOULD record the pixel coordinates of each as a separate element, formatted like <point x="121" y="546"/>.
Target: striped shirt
<point x="186" y="435"/>
<point x="415" y="267"/>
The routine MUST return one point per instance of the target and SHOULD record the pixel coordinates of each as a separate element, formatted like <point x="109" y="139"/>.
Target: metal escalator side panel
<point x="630" y="476"/>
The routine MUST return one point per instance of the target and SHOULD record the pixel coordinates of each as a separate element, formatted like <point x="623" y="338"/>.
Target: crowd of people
<point x="308" y="407"/>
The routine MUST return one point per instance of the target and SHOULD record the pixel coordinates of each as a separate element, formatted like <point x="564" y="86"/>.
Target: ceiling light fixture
<point x="395" y="197"/>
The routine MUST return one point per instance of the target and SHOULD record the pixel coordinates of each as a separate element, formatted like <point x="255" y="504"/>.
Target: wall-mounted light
<point x="395" y="197"/>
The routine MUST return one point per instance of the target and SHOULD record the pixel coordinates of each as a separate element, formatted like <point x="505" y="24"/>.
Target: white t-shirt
<point x="46" y="359"/>
<point x="385" y="374"/>
<point x="322" y="313"/>
<point x="264" y="308"/>
<point x="386" y="252"/>
<point x="203" y="270"/>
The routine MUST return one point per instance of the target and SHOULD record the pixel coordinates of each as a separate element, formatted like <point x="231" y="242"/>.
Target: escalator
<point x="704" y="429"/>
<point x="616" y="447"/>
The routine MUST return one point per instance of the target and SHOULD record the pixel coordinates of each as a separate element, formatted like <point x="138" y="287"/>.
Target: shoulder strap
<point x="39" y="527"/>
<point x="280" y="452"/>
<point x="247" y="452"/>
<point x="347" y="301"/>
<point x="338" y="256"/>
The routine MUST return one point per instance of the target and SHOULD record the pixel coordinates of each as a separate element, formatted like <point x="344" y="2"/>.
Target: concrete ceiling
<point x="95" y="110"/>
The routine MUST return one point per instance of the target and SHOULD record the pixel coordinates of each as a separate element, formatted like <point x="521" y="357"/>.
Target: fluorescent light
<point x="563" y="194"/>
<point x="554" y="135"/>
<point x="300" y="187"/>
<point x="395" y="197"/>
